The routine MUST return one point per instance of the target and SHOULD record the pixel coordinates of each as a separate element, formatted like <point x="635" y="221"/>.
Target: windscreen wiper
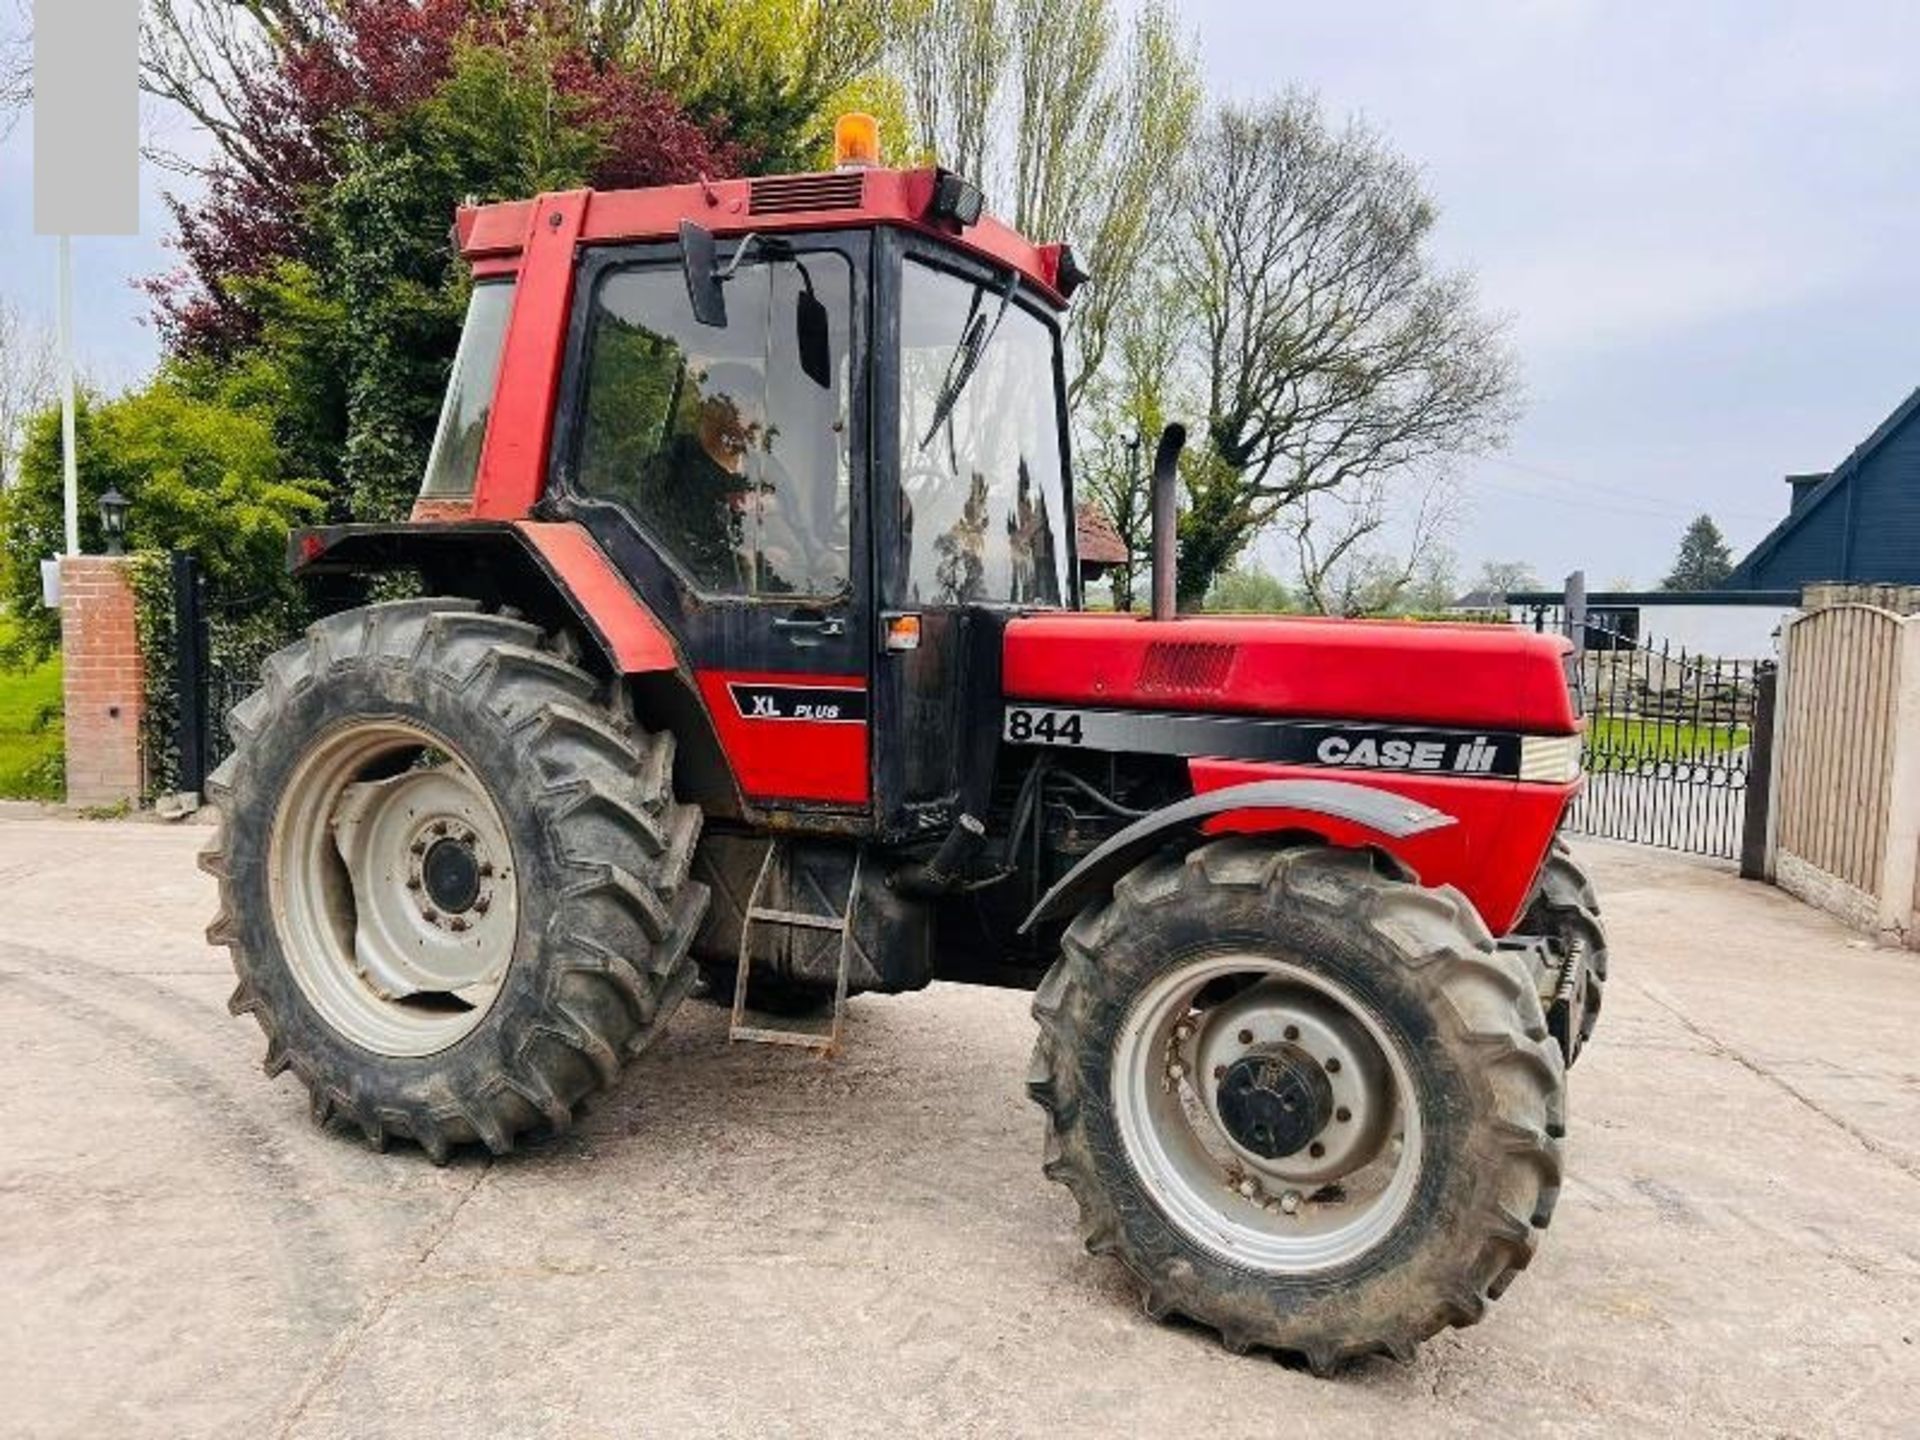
<point x="975" y="336"/>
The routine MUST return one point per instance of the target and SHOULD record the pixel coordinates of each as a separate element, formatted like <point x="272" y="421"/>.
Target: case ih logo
<point x="1464" y="757"/>
<point x="819" y="703"/>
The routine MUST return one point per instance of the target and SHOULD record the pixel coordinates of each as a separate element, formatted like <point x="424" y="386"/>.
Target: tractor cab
<point x="817" y="424"/>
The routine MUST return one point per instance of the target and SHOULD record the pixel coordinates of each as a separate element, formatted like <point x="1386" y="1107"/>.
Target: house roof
<point x="1741" y="576"/>
<point x="1099" y="542"/>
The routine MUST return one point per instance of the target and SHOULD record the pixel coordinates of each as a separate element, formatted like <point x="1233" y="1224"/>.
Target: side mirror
<point x="703" y="275"/>
<point x="812" y="338"/>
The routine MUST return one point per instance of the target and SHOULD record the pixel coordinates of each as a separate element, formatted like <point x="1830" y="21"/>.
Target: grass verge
<point x="32" y="729"/>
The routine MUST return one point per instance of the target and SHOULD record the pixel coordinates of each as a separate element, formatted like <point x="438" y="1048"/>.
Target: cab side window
<point x="713" y="440"/>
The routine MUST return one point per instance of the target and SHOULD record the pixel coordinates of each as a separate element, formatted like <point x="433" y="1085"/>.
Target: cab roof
<point x="491" y="238"/>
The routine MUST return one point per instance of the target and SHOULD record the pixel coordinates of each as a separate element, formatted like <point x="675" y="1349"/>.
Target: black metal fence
<point x="221" y="642"/>
<point x="1670" y="743"/>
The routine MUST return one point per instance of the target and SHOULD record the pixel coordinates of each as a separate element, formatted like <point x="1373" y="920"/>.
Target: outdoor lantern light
<point x="113" y="519"/>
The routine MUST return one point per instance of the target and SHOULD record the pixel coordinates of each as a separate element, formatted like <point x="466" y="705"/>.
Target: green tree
<point x="769" y="75"/>
<point x="1071" y="120"/>
<point x="1249" y="590"/>
<point x="1703" y="561"/>
<point x="203" y="476"/>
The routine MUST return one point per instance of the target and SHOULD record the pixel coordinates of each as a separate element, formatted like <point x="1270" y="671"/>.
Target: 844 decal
<point x="1043" y="727"/>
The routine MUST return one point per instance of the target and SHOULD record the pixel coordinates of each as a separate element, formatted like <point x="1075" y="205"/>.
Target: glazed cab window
<point x="714" y="440"/>
<point x="983" y="508"/>
<point x="454" y="463"/>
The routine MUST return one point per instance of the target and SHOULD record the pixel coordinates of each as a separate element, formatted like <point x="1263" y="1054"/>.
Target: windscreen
<point x="983" y="506"/>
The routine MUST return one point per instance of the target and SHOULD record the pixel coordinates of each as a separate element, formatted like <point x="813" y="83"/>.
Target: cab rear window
<point x="455" y="462"/>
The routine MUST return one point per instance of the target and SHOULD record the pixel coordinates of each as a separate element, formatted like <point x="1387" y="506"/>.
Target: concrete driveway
<point x="747" y="1241"/>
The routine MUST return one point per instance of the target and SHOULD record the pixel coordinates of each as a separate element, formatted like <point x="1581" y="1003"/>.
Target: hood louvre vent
<point x="1184" y="667"/>
<point x="784" y="194"/>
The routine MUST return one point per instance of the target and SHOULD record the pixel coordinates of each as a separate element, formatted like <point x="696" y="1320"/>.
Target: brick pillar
<point x="104" y="679"/>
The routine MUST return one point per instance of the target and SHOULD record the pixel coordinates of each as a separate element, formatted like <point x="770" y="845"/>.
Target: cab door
<point x="973" y="523"/>
<point x="727" y="484"/>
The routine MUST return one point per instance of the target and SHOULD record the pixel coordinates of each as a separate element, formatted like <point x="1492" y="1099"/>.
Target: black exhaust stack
<point x="1166" y="475"/>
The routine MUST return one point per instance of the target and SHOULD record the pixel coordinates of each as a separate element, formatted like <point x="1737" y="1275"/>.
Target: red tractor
<point x="753" y="658"/>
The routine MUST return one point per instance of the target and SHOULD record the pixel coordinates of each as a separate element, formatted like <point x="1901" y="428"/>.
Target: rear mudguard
<point x="1391" y="817"/>
<point x="556" y="574"/>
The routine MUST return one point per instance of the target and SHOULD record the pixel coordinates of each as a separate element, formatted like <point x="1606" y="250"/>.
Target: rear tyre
<point x="453" y="877"/>
<point x="1565" y="911"/>
<point x="1306" y="1103"/>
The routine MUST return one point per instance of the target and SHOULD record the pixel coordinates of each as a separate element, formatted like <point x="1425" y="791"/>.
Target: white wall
<point x="1725" y="632"/>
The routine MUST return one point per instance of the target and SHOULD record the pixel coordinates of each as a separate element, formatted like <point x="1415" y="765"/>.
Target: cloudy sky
<point x="1700" y="217"/>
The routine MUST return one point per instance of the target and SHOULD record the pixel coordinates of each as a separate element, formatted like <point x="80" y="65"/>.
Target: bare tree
<point x="16" y="63"/>
<point x="1334" y="358"/>
<point x="209" y="58"/>
<point x="1504" y="577"/>
<point x="29" y="369"/>
<point x="1071" y="121"/>
<point x="1353" y="558"/>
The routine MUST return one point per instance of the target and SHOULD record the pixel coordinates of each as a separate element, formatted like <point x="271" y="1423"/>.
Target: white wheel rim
<point x="395" y="893"/>
<point x="1299" y="1213"/>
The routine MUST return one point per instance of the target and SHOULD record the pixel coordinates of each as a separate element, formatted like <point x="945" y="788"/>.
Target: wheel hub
<point x="1274" y="1101"/>
<point x="451" y="874"/>
<point x="432" y="902"/>
<point x="1267" y="1111"/>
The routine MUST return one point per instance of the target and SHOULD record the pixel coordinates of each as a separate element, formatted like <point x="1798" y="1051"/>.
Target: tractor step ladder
<point x="826" y="1041"/>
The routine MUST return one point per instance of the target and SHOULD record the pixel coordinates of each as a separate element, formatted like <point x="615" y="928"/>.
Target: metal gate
<point x="1676" y="745"/>
<point x="221" y="642"/>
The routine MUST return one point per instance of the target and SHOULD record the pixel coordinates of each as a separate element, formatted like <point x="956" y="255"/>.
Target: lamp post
<point x="113" y="520"/>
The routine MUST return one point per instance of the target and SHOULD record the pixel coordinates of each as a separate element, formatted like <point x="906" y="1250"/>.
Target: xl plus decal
<point x="1494" y="754"/>
<point x="818" y="703"/>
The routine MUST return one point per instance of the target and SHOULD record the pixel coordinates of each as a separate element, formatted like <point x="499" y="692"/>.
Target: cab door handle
<point x="803" y="630"/>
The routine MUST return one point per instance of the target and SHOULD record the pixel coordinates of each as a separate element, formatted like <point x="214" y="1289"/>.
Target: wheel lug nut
<point x="413" y="882"/>
<point x="1290" y="1202"/>
<point x="486" y="868"/>
<point x="458" y="922"/>
<point x="1176" y="1070"/>
<point x="419" y="847"/>
<point x="1219" y="1072"/>
<point x="483" y="904"/>
<point x="1249" y="1189"/>
<point x="428" y="912"/>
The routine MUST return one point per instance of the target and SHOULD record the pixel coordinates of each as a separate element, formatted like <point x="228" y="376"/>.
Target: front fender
<point x="1392" y="817"/>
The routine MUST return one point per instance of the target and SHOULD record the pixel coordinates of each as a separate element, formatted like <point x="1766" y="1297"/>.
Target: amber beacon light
<point x="856" y="141"/>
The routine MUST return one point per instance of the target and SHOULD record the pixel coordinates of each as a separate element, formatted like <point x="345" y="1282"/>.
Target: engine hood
<point x="1492" y="676"/>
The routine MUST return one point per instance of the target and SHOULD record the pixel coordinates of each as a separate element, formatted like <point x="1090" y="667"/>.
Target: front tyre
<point x="1306" y="1103"/>
<point x="1565" y="912"/>
<point x="453" y="880"/>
